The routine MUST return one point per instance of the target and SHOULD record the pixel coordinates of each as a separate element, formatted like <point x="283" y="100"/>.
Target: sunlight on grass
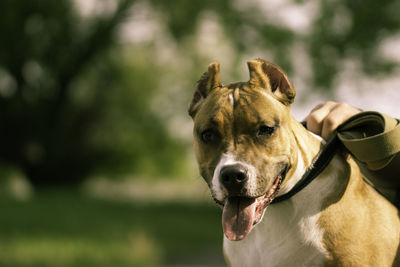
<point x="138" y="250"/>
<point x="144" y="249"/>
<point x="72" y="229"/>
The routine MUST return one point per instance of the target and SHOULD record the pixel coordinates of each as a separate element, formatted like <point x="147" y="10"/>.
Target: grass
<point x="71" y="229"/>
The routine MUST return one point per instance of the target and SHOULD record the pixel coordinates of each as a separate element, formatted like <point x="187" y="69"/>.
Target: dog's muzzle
<point x="242" y="210"/>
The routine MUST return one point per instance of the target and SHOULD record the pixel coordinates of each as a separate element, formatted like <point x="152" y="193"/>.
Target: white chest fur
<point x="289" y="234"/>
<point x="279" y="240"/>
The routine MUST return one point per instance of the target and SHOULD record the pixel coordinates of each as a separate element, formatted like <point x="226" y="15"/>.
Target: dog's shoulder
<point x="349" y="214"/>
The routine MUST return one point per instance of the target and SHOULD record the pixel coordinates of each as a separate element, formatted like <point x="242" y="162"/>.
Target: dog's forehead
<point x="238" y="101"/>
<point x="215" y="109"/>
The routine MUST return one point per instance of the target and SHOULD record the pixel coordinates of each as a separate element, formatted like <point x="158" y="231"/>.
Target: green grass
<point x="70" y="229"/>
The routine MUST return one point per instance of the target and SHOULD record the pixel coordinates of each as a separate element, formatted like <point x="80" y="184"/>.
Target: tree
<point x="48" y="49"/>
<point x="339" y="30"/>
<point x="73" y="100"/>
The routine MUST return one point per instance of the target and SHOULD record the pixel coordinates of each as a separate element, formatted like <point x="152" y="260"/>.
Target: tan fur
<point x="360" y="227"/>
<point x="234" y="127"/>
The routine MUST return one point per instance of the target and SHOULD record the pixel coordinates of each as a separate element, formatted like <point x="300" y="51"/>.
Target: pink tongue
<point x="238" y="217"/>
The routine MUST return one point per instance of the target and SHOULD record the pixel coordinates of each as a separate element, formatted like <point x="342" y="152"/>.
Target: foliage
<point x="341" y="29"/>
<point x="130" y="134"/>
<point x="74" y="100"/>
<point x="63" y="91"/>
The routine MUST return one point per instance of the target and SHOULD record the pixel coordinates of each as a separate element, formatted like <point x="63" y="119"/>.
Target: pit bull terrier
<point x="250" y="150"/>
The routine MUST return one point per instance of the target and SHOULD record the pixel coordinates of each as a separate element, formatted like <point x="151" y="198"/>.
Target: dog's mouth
<point x="241" y="214"/>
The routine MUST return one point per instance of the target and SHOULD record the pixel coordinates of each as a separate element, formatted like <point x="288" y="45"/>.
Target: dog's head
<point x="242" y="141"/>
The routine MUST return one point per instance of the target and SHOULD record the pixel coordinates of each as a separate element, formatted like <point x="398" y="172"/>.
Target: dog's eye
<point x="265" y="131"/>
<point x="208" y="136"/>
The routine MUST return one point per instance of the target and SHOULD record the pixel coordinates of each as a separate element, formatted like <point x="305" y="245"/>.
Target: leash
<point x="319" y="164"/>
<point x="376" y="149"/>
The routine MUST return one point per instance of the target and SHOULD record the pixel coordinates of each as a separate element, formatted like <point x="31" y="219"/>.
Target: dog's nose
<point x="234" y="178"/>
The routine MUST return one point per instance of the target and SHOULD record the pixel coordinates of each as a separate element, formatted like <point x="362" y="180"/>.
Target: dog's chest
<point x="279" y="241"/>
<point x="289" y="234"/>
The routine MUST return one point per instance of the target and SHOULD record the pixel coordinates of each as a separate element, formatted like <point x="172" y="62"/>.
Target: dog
<point x="250" y="150"/>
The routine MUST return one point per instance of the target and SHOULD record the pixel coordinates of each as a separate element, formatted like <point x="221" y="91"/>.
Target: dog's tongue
<point x="238" y="217"/>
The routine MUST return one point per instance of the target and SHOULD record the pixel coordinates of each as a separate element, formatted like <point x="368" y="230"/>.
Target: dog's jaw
<point x="282" y="184"/>
<point x="242" y="213"/>
<point x="265" y="200"/>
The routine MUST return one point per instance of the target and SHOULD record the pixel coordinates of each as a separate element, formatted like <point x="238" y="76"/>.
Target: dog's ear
<point x="210" y="80"/>
<point x="269" y="76"/>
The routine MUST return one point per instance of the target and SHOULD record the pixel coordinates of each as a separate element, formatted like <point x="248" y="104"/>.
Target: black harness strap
<point x="316" y="168"/>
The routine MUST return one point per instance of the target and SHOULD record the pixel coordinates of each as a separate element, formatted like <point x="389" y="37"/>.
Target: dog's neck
<point x="307" y="146"/>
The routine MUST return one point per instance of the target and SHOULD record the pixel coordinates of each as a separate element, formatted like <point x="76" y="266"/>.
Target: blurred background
<point x="96" y="163"/>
